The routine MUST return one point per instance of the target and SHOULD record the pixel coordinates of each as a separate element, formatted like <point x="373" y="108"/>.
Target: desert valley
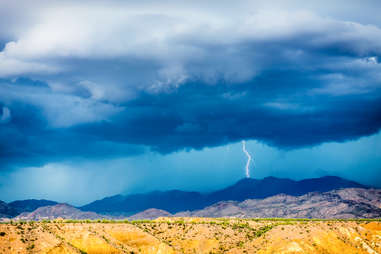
<point x="339" y="216"/>
<point x="192" y="235"/>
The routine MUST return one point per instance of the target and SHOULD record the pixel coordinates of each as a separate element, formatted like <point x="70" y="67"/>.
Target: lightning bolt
<point x="248" y="158"/>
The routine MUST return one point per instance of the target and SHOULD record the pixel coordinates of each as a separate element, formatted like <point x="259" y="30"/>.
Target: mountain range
<point x="325" y="197"/>
<point x="63" y="211"/>
<point x="339" y="204"/>
<point x="175" y="201"/>
<point x="6" y="210"/>
<point x="30" y="205"/>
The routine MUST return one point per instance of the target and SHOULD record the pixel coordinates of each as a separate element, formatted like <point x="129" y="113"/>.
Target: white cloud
<point x="10" y="66"/>
<point x="112" y="51"/>
<point x="65" y="111"/>
<point x="372" y="60"/>
<point x="182" y="41"/>
<point x="61" y="110"/>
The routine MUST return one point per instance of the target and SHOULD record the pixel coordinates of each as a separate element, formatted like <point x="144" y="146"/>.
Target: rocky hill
<point x="64" y="211"/>
<point x="344" y="203"/>
<point x="176" y="200"/>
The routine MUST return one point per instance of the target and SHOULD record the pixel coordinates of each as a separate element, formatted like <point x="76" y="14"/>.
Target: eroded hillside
<point x="192" y="235"/>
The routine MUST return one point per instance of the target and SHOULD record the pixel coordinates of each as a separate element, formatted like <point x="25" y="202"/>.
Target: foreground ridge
<point x="192" y="235"/>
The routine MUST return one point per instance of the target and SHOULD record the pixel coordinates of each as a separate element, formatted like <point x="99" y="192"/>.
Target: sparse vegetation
<point x="193" y="235"/>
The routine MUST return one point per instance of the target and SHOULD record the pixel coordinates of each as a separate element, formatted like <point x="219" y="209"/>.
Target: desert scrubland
<point x="192" y="235"/>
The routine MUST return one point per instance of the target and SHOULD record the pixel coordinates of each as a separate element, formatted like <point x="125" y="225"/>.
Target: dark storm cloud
<point x="28" y="138"/>
<point x="30" y="142"/>
<point x="133" y="77"/>
<point x="198" y="115"/>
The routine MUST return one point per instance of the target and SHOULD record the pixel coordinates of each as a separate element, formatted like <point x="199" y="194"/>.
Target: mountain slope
<point x="171" y="201"/>
<point x="6" y="211"/>
<point x="30" y="205"/>
<point x="270" y="186"/>
<point x="64" y="211"/>
<point x="345" y="203"/>
<point x="176" y="200"/>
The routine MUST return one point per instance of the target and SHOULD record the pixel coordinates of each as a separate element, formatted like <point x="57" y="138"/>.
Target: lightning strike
<point x="247" y="168"/>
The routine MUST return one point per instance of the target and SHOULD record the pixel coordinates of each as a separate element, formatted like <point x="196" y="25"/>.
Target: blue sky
<point x="121" y="97"/>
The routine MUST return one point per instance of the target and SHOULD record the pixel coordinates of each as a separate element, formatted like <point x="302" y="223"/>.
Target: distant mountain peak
<point x="270" y="178"/>
<point x="245" y="180"/>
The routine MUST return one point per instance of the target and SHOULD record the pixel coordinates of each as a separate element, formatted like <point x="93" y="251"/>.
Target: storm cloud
<point x="77" y="76"/>
<point x="95" y="80"/>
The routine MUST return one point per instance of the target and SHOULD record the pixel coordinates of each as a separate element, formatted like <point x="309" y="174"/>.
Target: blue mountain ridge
<point x="176" y="200"/>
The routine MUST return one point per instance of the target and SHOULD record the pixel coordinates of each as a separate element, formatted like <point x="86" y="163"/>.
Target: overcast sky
<point x="105" y="97"/>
